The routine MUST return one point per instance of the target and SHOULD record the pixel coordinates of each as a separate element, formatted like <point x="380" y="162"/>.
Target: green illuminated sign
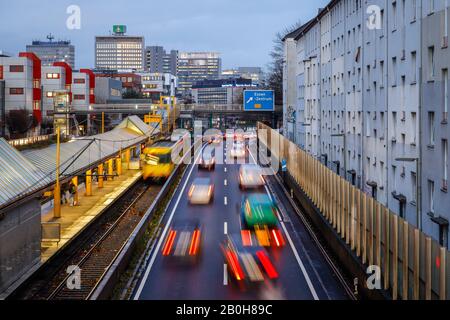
<point x="120" y="28"/>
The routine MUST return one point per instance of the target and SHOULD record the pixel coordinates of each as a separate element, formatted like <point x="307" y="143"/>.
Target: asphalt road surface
<point x="303" y="272"/>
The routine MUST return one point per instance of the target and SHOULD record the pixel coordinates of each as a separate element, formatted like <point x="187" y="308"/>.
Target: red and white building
<point x="56" y="78"/>
<point x="22" y="76"/>
<point x="83" y="86"/>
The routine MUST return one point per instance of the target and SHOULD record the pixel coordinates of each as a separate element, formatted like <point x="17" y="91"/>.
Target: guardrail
<point x="412" y="265"/>
<point x="181" y="107"/>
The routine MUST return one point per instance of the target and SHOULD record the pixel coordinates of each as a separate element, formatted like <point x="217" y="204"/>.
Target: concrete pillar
<point x="100" y="175"/>
<point x="119" y="165"/>
<point x="75" y="196"/>
<point x="110" y="169"/>
<point x="127" y="158"/>
<point x="89" y="183"/>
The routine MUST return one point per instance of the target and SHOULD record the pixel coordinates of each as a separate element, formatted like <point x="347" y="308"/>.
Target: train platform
<point x="74" y="219"/>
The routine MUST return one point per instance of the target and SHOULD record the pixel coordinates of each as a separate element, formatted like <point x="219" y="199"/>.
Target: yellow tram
<point x="158" y="160"/>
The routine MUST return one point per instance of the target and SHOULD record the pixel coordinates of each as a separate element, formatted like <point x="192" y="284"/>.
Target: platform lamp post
<point x="57" y="190"/>
<point x="103" y="122"/>
<point x="418" y="189"/>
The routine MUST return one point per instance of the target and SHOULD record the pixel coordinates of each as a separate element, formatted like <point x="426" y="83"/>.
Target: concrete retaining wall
<point x="20" y="242"/>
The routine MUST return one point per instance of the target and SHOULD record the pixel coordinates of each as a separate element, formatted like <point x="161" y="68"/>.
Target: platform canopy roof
<point x="18" y="176"/>
<point x="81" y="154"/>
<point x="24" y="173"/>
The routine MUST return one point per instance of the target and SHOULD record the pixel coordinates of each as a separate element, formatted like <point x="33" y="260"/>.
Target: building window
<point x="414" y="128"/>
<point x="413" y="187"/>
<point x="431" y="125"/>
<point x="16" y="68"/>
<point x="52" y="75"/>
<point x="445" y="164"/>
<point x="413" y="67"/>
<point x="79" y="81"/>
<point x="394" y="15"/>
<point x="16" y="91"/>
<point x="445" y="93"/>
<point x="50" y="94"/>
<point x="431" y="195"/>
<point x="430" y="6"/>
<point x="413" y="10"/>
<point x="79" y="97"/>
<point x="394" y="71"/>
<point x="431" y="65"/>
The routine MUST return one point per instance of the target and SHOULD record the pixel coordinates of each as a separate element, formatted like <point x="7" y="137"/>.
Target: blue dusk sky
<point x="241" y="30"/>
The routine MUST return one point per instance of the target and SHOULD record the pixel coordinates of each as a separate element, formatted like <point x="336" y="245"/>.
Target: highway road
<point x="303" y="271"/>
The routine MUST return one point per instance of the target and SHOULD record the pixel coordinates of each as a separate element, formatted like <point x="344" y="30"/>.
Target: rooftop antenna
<point x="50" y="37"/>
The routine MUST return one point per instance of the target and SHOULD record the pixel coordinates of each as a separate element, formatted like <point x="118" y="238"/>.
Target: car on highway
<point x="238" y="150"/>
<point x="250" y="176"/>
<point x="201" y="191"/>
<point x="259" y="222"/>
<point x="207" y="161"/>
<point x="218" y="139"/>
<point x="183" y="241"/>
<point x="229" y="135"/>
<point x="247" y="265"/>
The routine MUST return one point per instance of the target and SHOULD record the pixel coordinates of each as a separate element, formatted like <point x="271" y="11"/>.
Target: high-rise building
<point x="253" y="73"/>
<point x="157" y="60"/>
<point x="119" y="51"/>
<point x="197" y="66"/>
<point x="51" y="51"/>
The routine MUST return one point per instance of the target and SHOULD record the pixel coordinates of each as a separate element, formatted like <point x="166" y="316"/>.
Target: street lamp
<point x="345" y="150"/>
<point x="418" y="188"/>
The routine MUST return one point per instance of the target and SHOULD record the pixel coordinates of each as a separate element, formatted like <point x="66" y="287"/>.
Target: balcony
<point x="444" y="185"/>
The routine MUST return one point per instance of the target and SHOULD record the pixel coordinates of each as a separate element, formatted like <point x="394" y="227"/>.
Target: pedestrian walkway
<point x="76" y="218"/>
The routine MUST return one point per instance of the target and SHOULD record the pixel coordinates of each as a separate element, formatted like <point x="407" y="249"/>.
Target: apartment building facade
<point x="83" y="89"/>
<point x="377" y="111"/>
<point x="55" y="79"/>
<point x="22" y="76"/>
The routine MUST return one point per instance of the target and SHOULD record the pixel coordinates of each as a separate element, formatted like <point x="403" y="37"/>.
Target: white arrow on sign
<point x="250" y="100"/>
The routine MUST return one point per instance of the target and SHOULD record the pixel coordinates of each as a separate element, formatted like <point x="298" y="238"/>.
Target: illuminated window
<point x="52" y="75"/>
<point x="79" y="97"/>
<point x="50" y="94"/>
<point x="79" y="81"/>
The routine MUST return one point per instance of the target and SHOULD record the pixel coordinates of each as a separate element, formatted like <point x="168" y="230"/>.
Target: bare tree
<point x="274" y="79"/>
<point x="19" y="122"/>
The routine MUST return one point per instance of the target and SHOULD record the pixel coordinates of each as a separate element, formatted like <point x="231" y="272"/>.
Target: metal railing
<point x="412" y="265"/>
<point x="30" y="140"/>
<point x="181" y="107"/>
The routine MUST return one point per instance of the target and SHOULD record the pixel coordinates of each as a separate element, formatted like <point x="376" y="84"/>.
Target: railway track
<point x="95" y="250"/>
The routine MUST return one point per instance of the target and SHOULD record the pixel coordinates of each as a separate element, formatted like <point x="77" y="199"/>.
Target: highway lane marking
<point x="225" y="228"/>
<point x="294" y="250"/>
<point x="225" y="169"/>
<point x="225" y="275"/>
<point x="163" y="235"/>
<point x="225" y="182"/>
<point x="225" y="201"/>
